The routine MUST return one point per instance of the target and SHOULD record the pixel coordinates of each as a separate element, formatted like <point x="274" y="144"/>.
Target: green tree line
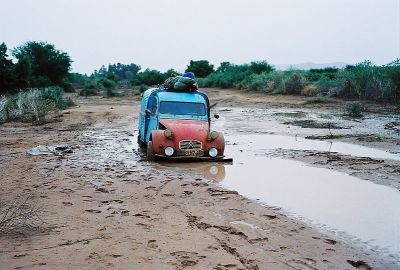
<point x="38" y="64"/>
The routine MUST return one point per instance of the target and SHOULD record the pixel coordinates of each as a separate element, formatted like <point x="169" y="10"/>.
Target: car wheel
<point x="150" y="151"/>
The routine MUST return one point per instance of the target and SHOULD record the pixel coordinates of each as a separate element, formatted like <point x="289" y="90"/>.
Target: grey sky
<point x="169" y="33"/>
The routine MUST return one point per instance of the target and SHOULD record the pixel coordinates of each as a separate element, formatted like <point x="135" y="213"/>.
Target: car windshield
<point x="182" y="108"/>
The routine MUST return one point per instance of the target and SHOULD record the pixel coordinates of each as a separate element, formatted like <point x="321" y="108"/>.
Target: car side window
<point x="154" y="106"/>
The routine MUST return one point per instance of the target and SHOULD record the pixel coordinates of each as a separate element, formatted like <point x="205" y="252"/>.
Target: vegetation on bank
<point x="33" y="84"/>
<point x="363" y="81"/>
<point x="33" y="81"/>
<point x="32" y="105"/>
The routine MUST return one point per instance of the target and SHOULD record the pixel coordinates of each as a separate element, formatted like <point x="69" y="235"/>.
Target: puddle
<point x="271" y="121"/>
<point x="331" y="200"/>
<point x="263" y="142"/>
<point x="355" y="210"/>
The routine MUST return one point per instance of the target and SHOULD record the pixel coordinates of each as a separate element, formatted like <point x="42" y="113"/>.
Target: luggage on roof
<point x="186" y="83"/>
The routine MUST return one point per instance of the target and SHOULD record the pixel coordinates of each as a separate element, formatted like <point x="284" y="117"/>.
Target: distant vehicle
<point x="176" y="125"/>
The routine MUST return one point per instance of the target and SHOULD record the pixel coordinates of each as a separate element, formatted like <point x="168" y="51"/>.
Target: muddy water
<point x="356" y="211"/>
<point x="335" y="201"/>
<point x="262" y="143"/>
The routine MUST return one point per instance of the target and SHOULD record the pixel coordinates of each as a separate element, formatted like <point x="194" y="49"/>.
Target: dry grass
<point x="20" y="216"/>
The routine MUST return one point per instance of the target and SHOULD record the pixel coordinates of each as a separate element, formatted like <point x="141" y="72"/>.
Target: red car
<point x="176" y="125"/>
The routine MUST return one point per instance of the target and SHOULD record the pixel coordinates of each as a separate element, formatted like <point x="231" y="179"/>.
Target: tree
<point x="49" y="66"/>
<point x="149" y="77"/>
<point x="224" y="67"/>
<point x="6" y="70"/>
<point x="117" y="72"/>
<point x="201" y="68"/>
<point x="23" y="73"/>
<point x="260" y="67"/>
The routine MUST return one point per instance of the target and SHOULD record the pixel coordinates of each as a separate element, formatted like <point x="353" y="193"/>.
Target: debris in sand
<point x="394" y="126"/>
<point x="50" y="150"/>
<point x="314" y="124"/>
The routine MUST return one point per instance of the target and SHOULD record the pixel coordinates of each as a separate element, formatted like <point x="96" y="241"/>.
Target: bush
<point x="364" y="81"/>
<point x="93" y="87"/>
<point x="314" y="75"/>
<point x="88" y="92"/>
<point x="325" y="85"/>
<point x="354" y="109"/>
<point x="259" y="67"/>
<point x="143" y="88"/>
<point x="295" y="83"/>
<point x="54" y="95"/>
<point x="33" y="104"/>
<point x="5" y="108"/>
<point x="258" y="82"/>
<point x="105" y="83"/>
<point x="229" y="75"/>
<point x="392" y="74"/>
<point x="309" y="90"/>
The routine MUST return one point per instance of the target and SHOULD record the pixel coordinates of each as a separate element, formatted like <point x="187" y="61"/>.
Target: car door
<point x="153" y="116"/>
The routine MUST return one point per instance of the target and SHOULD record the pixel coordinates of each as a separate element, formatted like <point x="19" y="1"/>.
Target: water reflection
<point x="208" y="170"/>
<point x="329" y="199"/>
<point x="335" y="201"/>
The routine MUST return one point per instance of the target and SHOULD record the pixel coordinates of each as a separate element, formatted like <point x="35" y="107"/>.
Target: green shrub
<point x="88" y="92"/>
<point x="259" y="67"/>
<point x="105" y="83"/>
<point x="314" y="75"/>
<point x="93" y="87"/>
<point x="277" y="83"/>
<point x="325" y="85"/>
<point x="355" y="109"/>
<point x="54" y="95"/>
<point x="229" y="75"/>
<point x="143" y="88"/>
<point x="258" y="82"/>
<point x="295" y="83"/>
<point x="392" y="74"/>
<point x="364" y="80"/>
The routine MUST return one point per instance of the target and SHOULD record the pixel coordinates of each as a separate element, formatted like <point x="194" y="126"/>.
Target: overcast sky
<point x="169" y="33"/>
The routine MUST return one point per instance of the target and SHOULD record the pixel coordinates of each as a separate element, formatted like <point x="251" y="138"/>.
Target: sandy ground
<point x="105" y="208"/>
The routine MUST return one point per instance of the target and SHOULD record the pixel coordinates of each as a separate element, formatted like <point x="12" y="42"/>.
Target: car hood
<point x="187" y="129"/>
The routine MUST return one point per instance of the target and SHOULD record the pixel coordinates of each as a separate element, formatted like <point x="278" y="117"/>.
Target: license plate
<point x="192" y="152"/>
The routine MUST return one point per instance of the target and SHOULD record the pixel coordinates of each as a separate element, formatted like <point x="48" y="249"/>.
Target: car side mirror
<point x="216" y="116"/>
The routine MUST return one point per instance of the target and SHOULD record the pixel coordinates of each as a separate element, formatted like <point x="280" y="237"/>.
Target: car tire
<point x="140" y="143"/>
<point x="150" y="152"/>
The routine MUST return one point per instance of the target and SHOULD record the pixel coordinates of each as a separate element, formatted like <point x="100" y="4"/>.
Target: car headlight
<point x="168" y="134"/>
<point x="169" y="151"/>
<point x="213" y="135"/>
<point x="213" y="152"/>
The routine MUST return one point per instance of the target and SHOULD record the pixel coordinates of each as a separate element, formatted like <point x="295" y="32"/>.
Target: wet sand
<point x="105" y="208"/>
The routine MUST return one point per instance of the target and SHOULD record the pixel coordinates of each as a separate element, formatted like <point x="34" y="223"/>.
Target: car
<point x="176" y="125"/>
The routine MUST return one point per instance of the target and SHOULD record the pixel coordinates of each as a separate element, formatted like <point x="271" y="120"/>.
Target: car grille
<point x="189" y="144"/>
